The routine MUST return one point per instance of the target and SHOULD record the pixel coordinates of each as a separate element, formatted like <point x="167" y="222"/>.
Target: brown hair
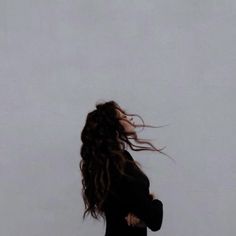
<point x="103" y="144"/>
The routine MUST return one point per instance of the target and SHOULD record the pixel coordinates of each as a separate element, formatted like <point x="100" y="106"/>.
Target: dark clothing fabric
<point x="132" y="195"/>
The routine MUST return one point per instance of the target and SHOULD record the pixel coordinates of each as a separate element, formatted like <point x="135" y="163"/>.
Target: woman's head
<point x="126" y="122"/>
<point x="106" y="124"/>
<point x="107" y="131"/>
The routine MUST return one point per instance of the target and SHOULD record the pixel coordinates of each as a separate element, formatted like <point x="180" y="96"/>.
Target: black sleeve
<point x="137" y="199"/>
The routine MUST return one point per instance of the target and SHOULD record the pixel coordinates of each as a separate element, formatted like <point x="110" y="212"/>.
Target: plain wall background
<point x="172" y="62"/>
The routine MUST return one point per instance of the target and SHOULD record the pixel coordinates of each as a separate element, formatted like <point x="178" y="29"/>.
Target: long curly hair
<point x="104" y="140"/>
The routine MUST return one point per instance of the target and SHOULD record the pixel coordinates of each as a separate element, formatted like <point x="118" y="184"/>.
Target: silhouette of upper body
<point x="132" y="196"/>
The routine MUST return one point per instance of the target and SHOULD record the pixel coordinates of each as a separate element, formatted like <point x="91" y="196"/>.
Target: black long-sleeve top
<point x="132" y="195"/>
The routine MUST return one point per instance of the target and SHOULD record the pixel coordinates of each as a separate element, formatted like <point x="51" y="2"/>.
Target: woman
<point x="114" y="186"/>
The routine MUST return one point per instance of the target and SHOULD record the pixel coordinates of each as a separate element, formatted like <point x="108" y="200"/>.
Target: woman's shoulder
<point x="128" y="155"/>
<point x="135" y="171"/>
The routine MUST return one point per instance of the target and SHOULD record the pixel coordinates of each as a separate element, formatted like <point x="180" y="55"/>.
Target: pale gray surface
<point x="169" y="61"/>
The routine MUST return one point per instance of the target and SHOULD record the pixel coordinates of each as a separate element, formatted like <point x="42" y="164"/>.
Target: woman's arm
<point x="133" y="220"/>
<point x="139" y="201"/>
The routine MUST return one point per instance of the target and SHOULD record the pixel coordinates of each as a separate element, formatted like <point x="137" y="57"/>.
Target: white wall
<point x="172" y="62"/>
